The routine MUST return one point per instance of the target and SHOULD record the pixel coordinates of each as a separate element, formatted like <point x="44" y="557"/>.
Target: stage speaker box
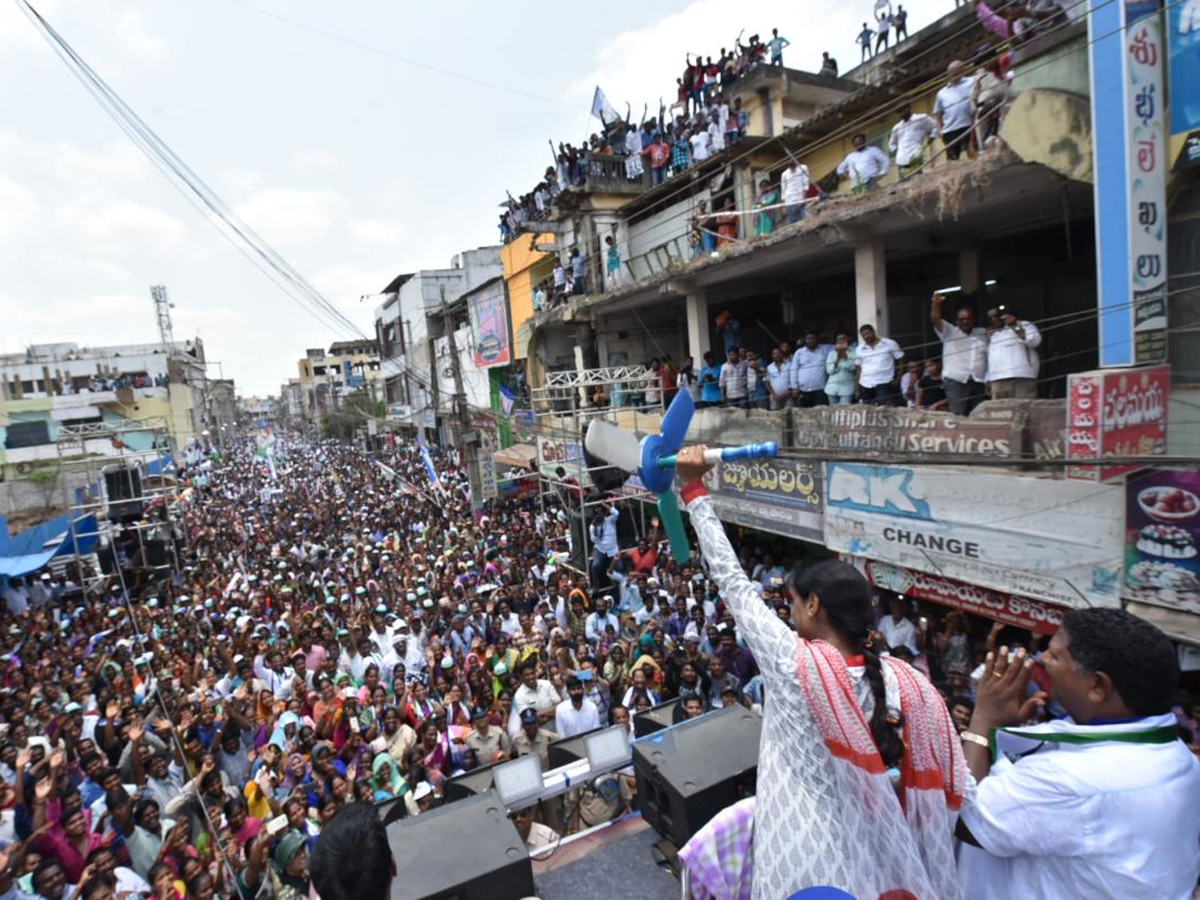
<point x="469" y="784"/>
<point x="123" y="484"/>
<point x="431" y="864"/>
<point x="156" y="552"/>
<point x="689" y="773"/>
<point x="391" y="810"/>
<point x="656" y="718"/>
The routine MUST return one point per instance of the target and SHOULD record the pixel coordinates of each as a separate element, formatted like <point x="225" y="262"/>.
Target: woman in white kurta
<point x="829" y="811"/>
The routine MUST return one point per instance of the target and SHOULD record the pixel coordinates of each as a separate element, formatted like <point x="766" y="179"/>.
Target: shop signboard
<point x="1116" y="412"/>
<point x="782" y="496"/>
<point x="866" y="428"/>
<point x="1162" y="538"/>
<point x="1000" y="606"/>
<point x="1055" y="540"/>
<point x="555" y="452"/>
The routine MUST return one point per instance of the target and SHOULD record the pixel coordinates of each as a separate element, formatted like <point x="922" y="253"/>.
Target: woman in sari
<point x="860" y="773"/>
<point x="768" y="195"/>
<point x="435" y="757"/>
<point x="386" y="779"/>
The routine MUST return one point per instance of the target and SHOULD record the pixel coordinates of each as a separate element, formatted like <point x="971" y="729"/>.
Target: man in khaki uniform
<point x="532" y="738"/>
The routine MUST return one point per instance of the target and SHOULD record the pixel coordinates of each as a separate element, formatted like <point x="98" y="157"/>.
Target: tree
<point x="45" y="479"/>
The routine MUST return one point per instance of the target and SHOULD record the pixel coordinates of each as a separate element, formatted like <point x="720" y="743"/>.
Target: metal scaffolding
<point x="134" y="516"/>
<point x="629" y="396"/>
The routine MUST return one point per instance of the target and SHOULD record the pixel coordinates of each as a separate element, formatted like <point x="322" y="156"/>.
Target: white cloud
<point x="374" y="232"/>
<point x="118" y="225"/>
<point x="292" y="216"/>
<point x="312" y="160"/>
<point x="239" y="182"/>
<point x="129" y="28"/>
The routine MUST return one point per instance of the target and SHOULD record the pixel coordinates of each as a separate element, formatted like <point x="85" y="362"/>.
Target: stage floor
<point x="616" y="863"/>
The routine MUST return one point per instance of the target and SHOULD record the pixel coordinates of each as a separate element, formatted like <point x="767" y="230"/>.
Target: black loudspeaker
<point x="656" y="718"/>
<point x="156" y="552"/>
<point x="431" y="864"/>
<point x="123" y="484"/>
<point x="391" y="810"/>
<point x="469" y="784"/>
<point x="689" y="773"/>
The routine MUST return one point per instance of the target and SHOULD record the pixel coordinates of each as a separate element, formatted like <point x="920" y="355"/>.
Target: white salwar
<point x="807" y="830"/>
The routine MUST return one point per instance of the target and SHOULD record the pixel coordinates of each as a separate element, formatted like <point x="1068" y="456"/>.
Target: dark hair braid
<point x="846" y="598"/>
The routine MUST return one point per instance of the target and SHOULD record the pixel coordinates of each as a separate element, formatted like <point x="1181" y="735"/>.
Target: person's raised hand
<point x="1001" y="698"/>
<point x="111" y="709"/>
<point x="690" y="466"/>
<point x="137" y="731"/>
<point x="58" y="759"/>
<point x="41" y="792"/>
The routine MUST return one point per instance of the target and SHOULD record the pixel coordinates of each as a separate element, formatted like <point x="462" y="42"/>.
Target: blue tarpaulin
<point x="27" y="552"/>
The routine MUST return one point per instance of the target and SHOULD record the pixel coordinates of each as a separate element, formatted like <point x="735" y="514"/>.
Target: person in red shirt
<point x="643" y="557"/>
<point x="660" y="158"/>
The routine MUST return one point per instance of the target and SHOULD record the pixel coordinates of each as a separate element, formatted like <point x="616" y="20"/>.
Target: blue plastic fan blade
<point x="675" y="422"/>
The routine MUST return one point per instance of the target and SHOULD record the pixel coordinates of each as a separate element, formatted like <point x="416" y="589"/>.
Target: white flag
<point x="601" y="108"/>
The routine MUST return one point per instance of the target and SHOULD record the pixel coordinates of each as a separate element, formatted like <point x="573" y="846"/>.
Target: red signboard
<point x="1024" y="612"/>
<point x="1116" y="412"/>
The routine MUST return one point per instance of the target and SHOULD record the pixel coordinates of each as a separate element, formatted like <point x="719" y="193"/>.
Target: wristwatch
<point x="976" y="739"/>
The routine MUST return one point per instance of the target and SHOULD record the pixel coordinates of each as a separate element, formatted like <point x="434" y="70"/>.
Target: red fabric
<point x="690" y="492"/>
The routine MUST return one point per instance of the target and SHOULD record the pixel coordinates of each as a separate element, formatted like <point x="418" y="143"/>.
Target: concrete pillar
<point x="698" y="333"/>
<point x="970" y="271"/>
<point x="870" y="286"/>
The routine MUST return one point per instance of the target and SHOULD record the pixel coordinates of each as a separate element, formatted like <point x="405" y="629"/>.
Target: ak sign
<point x="1050" y="539"/>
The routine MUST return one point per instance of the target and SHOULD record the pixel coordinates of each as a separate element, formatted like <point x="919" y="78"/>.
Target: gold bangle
<point x="976" y="739"/>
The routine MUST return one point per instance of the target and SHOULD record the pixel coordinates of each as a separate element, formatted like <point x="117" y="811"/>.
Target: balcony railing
<point x="606" y="175"/>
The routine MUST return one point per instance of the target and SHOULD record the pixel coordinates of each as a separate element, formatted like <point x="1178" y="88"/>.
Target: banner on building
<point x="1162" y="536"/>
<point x="1129" y="142"/>
<point x="996" y="431"/>
<point x="1000" y="606"/>
<point x="782" y="496"/>
<point x="1055" y="540"/>
<point x="1183" y="43"/>
<point x="488" y="309"/>
<point x="1116" y="412"/>
<point x="555" y="452"/>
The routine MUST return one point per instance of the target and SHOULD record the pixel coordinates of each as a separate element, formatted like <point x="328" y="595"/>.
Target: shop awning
<point x="523" y="456"/>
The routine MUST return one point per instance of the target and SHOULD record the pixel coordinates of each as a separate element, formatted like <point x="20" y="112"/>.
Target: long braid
<point x="846" y="599"/>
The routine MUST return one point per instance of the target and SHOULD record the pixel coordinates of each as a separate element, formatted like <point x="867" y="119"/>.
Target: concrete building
<point x="327" y="376"/>
<point x="408" y="323"/>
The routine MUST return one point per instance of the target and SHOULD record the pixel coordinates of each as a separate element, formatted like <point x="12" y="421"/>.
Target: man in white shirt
<point x="1012" y="360"/>
<point x="534" y="693"/>
<point x="779" y="381"/>
<point x="897" y="629"/>
<point x="599" y="620"/>
<point x="633" y="154"/>
<point x="875" y="359"/>
<point x="908" y="138"/>
<point x="794" y="184"/>
<point x="733" y="384"/>
<point x="864" y="165"/>
<point x="808" y="371"/>
<point x="604" y="544"/>
<point x="954" y="110"/>
<point x="576" y="714"/>
<point x="1101" y="804"/>
<point x="700" y="142"/>
<point x="716" y="137"/>
<point x="964" y="356"/>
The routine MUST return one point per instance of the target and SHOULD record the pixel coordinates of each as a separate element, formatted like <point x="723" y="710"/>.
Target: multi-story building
<point x="409" y="322"/>
<point x="966" y="511"/>
<point x="326" y="377"/>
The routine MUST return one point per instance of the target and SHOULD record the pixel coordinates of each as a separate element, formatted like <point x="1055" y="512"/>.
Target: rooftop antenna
<point x="162" y="310"/>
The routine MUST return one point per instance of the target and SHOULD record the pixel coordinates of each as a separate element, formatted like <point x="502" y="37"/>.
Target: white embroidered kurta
<point x="806" y="832"/>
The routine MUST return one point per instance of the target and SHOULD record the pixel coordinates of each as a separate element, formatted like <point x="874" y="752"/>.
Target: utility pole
<point x="468" y="438"/>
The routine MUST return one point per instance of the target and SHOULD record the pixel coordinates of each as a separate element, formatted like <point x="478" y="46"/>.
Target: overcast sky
<point x="355" y="165"/>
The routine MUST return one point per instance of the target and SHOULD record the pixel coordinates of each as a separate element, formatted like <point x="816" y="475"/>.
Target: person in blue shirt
<point x="579" y="272"/>
<point x="776" y="45"/>
<point x="710" y="381"/>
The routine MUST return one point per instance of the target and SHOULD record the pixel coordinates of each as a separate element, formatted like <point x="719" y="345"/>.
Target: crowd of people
<point x="999" y="361"/>
<point x="346" y="632"/>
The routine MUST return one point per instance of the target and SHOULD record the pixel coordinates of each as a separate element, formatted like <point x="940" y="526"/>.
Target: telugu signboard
<point x="1000" y="606"/>
<point x="782" y="496"/>
<point x="1130" y="148"/>
<point x="1116" y="412"/>
<point x="1056" y="540"/>
<point x="489" y="326"/>
<point x="890" y="429"/>
<point x="1162" y="536"/>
